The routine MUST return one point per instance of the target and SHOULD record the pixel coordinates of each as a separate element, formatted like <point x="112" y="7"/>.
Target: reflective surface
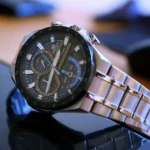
<point x="34" y="130"/>
<point x="27" y="129"/>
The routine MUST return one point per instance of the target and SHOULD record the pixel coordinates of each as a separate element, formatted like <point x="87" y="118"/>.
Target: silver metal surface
<point x="115" y="115"/>
<point x="117" y="74"/>
<point x="56" y="23"/>
<point x="75" y="27"/>
<point x="102" y="110"/>
<point x="120" y="85"/>
<point x="141" y="111"/>
<point x="114" y="97"/>
<point x="147" y="121"/>
<point x="87" y="104"/>
<point x="142" y="126"/>
<point x="100" y="86"/>
<point x="102" y="64"/>
<point x="144" y="91"/>
<point x="94" y="40"/>
<point x="131" y="122"/>
<point x="146" y="99"/>
<point x="133" y="84"/>
<point x="129" y="103"/>
<point x="95" y="97"/>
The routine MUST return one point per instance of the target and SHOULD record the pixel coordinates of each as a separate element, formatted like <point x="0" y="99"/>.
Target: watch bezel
<point x="75" y="96"/>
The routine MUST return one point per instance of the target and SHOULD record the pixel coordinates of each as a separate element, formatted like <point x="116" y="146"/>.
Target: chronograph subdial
<point x="42" y="81"/>
<point x="71" y="73"/>
<point x="41" y="61"/>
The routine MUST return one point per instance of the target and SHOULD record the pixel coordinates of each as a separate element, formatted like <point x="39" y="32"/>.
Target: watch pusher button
<point x="94" y="40"/>
<point x="75" y="27"/>
<point x="56" y="23"/>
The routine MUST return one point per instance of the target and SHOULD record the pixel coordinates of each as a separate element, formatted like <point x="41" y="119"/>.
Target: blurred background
<point x="122" y="26"/>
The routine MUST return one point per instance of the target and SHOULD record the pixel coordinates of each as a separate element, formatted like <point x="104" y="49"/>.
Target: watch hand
<point x="49" y="62"/>
<point x="67" y="73"/>
<point x="63" y="57"/>
<point x="42" y="62"/>
<point x="45" y="81"/>
<point x="55" y="61"/>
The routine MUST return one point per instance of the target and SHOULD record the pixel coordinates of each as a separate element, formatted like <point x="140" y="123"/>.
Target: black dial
<point x="54" y="67"/>
<point x="42" y="83"/>
<point x="41" y="61"/>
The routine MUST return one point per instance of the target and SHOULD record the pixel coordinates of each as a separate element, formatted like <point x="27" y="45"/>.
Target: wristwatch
<point x="61" y="68"/>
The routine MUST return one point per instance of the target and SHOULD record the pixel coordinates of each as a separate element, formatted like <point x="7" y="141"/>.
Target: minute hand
<point x="63" y="57"/>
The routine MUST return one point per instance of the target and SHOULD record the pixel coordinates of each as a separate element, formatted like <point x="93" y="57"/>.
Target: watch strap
<point x="115" y="95"/>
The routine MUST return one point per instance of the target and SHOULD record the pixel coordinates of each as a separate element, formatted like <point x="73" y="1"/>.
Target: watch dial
<point x="52" y="66"/>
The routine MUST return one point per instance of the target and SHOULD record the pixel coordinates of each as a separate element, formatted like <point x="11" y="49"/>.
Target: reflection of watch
<point x="38" y="131"/>
<point x="42" y="132"/>
<point x="78" y="76"/>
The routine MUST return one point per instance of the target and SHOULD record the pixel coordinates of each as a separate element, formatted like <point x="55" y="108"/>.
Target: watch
<point x="61" y="68"/>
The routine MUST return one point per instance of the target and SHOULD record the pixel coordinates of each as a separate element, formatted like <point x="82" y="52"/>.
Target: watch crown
<point x="56" y="23"/>
<point x="94" y="40"/>
<point x="75" y="27"/>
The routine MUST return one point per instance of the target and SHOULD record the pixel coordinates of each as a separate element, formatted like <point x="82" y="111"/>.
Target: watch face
<point x="54" y="68"/>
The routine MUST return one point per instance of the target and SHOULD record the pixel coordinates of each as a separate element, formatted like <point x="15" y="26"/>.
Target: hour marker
<point x="39" y="96"/>
<point x="77" y="48"/>
<point x="28" y="72"/>
<point x="52" y="39"/>
<point x="55" y="96"/>
<point x="40" y="46"/>
<point x="28" y="56"/>
<point x="81" y="62"/>
<point x="66" y="40"/>
<point x="31" y="85"/>
<point x="69" y="91"/>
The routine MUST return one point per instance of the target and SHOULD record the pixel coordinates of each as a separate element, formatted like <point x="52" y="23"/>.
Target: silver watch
<point x="61" y="68"/>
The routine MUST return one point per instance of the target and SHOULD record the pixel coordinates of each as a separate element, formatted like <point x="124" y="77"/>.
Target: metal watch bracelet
<point x="115" y="95"/>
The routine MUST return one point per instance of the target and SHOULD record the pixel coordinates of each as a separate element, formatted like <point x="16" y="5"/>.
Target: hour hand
<point x="64" y="56"/>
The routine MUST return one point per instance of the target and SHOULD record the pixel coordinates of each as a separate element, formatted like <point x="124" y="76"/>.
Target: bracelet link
<point x="132" y="84"/>
<point x="131" y="122"/>
<point x="143" y="126"/>
<point x="115" y="95"/>
<point x="87" y="104"/>
<point x="147" y="121"/>
<point x="115" y="115"/>
<point x="99" y="87"/>
<point x="141" y="111"/>
<point x="102" y="110"/>
<point x="129" y="103"/>
<point x="117" y="74"/>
